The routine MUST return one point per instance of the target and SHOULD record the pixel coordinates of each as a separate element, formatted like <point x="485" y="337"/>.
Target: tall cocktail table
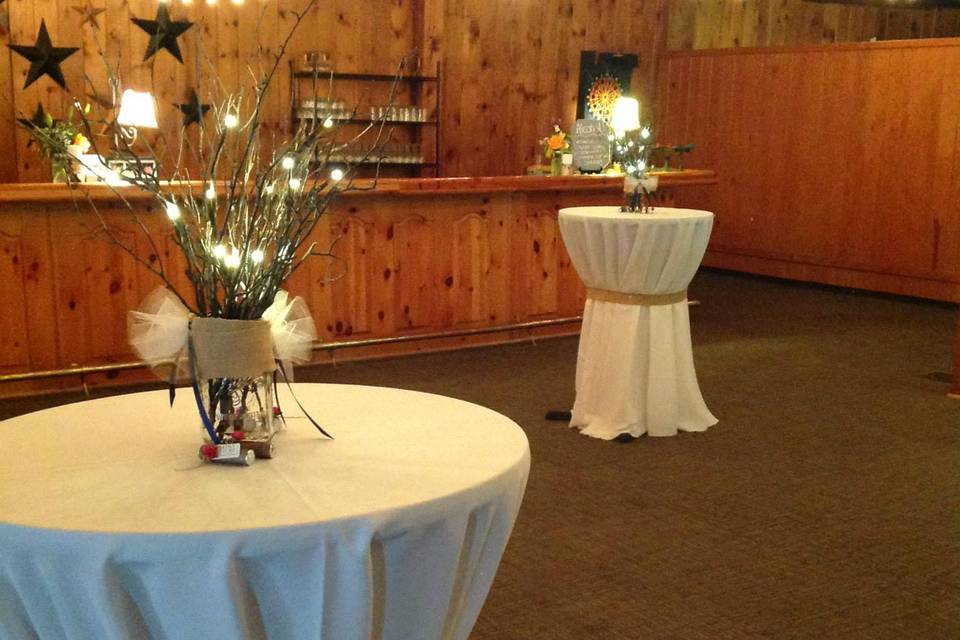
<point x="635" y="372"/>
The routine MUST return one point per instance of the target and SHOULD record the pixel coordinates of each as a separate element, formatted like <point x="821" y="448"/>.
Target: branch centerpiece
<point x="241" y="205"/>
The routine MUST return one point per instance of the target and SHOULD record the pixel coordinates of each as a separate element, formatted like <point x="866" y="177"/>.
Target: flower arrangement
<point x="242" y="216"/>
<point x="59" y="140"/>
<point x="554" y="146"/>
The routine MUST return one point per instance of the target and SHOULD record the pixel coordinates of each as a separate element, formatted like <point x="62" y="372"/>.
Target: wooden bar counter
<point x="426" y="257"/>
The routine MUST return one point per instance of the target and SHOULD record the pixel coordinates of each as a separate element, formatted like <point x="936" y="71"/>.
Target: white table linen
<point x="635" y="371"/>
<point x="110" y="527"/>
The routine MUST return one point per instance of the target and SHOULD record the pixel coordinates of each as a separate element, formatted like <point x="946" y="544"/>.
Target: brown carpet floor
<point x="824" y="504"/>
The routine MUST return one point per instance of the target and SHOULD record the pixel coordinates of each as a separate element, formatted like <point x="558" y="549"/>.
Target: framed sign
<point x="604" y="77"/>
<point x="591" y="144"/>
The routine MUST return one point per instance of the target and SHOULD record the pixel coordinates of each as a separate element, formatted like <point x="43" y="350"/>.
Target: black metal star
<point x="163" y="33"/>
<point x="88" y="14"/>
<point x="44" y="58"/>
<point x="38" y="121"/>
<point x="39" y="118"/>
<point x="193" y="110"/>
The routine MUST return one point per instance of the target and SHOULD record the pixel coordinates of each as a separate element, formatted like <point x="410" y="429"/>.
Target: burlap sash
<point x="640" y="299"/>
<point x="231" y="348"/>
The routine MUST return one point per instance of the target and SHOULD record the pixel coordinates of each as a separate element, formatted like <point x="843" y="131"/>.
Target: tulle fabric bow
<point x="159" y="331"/>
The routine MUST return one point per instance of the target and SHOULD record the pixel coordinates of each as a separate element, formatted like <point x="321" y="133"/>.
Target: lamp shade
<point x="137" y="109"/>
<point x="626" y="115"/>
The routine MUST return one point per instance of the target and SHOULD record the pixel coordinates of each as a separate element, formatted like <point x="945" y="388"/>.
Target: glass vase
<point x="234" y="364"/>
<point x="241" y="411"/>
<point x="556" y="165"/>
<point x="60" y="168"/>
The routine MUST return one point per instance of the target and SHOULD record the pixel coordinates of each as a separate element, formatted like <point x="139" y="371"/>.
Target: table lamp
<point x="625" y="116"/>
<point x="137" y="111"/>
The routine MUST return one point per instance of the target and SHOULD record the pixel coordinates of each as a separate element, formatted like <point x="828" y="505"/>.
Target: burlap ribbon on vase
<point x="225" y="348"/>
<point x="636" y="299"/>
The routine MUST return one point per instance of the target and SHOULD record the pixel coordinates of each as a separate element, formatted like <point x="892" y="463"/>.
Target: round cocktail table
<point x="110" y="527"/>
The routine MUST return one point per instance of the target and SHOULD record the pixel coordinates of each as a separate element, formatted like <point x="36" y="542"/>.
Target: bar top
<point x="52" y="193"/>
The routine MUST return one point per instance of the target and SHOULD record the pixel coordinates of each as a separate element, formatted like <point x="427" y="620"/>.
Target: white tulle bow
<point x="159" y="330"/>
<point x="292" y="328"/>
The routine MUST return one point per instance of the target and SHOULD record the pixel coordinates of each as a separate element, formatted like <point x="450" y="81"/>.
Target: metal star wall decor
<point x="163" y="33"/>
<point x="88" y="14"/>
<point x="193" y="110"/>
<point x="44" y="58"/>
<point x="38" y="121"/>
<point x="39" y="118"/>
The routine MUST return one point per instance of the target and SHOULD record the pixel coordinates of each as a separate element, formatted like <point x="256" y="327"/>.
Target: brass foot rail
<point x="84" y="371"/>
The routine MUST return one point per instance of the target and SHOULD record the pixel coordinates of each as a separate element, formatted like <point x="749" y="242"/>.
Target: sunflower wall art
<point x="604" y="77"/>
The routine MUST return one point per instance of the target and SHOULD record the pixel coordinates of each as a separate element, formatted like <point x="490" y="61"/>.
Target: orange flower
<point x="556" y="142"/>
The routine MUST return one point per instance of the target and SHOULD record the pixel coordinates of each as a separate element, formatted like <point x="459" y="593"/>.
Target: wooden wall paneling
<point x="955" y="387"/>
<point x="109" y="292"/>
<point x="534" y="124"/>
<point x="75" y="310"/>
<point x="428" y="33"/>
<point x="250" y="66"/>
<point x="398" y="25"/>
<point x="683" y="24"/>
<point x="547" y="43"/>
<point x="576" y="39"/>
<point x="946" y="178"/>
<point x="96" y="87"/>
<point x="481" y="261"/>
<point x="228" y="46"/>
<point x="479" y="24"/>
<point x="25" y="100"/>
<point x="453" y="76"/>
<point x="536" y="247"/>
<point x="8" y="109"/>
<point x="851" y="178"/>
<point x="417" y="268"/>
<point x="352" y="292"/>
<point x="709" y="24"/>
<point x="39" y="277"/>
<point x="139" y="73"/>
<point x="921" y="121"/>
<point x="353" y="43"/>
<point x="14" y="340"/>
<point x="471" y="261"/>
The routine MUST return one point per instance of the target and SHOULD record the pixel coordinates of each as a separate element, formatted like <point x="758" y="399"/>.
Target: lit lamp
<point x="632" y="149"/>
<point x="625" y="116"/>
<point x="137" y="111"/>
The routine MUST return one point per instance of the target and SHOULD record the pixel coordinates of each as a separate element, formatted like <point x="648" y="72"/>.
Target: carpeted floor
<point x="824" y="505"/>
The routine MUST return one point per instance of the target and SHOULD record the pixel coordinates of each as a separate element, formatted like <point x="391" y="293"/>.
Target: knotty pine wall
<point x="510" y="66"/>
<point x="836" y="163"/>
<point x="717" y="24"/>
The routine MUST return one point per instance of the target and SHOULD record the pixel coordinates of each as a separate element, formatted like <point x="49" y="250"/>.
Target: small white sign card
<point x="591" y="144"/>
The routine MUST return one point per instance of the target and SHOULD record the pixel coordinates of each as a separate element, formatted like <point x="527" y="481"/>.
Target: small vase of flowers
<point x="554" y="147"/>
<point x="61" y="142"/>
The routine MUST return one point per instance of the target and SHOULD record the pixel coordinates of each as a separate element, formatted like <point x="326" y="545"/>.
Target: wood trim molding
<point x="62" y="193"/>
<point x="806" y="48"/>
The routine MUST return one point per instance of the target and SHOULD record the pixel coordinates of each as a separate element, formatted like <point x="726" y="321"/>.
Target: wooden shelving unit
<point x="419" y="129"/>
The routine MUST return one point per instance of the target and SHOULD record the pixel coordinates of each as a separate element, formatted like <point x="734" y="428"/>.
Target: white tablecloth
<point x="110" y="527"/>
<point x="635" y="370"/>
